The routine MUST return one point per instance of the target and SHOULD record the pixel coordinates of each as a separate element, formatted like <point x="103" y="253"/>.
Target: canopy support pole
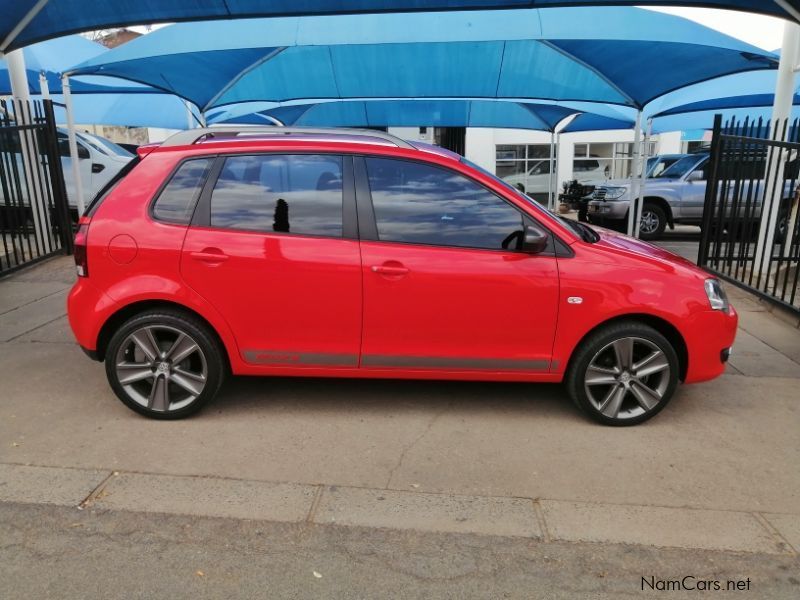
<point x="73" y="144"/>
<point x="20" y="90"/>
<point x="788" y="8"/>
<point x="44" y="87"/>
<point x="550" y="200"/>
<point x="22" y="24"/>
<point x="781" y="112"/>
<point x="641" y="175"/>
<point x="633" y="209"/>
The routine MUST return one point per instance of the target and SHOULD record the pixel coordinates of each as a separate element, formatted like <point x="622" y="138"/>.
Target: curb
<point x="538" y="519"/>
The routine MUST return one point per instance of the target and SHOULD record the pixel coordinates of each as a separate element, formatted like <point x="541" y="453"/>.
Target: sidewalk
<point x="717" y="470"/>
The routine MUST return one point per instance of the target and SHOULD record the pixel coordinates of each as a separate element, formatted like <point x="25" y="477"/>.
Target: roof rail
<point x="192" y="136"/>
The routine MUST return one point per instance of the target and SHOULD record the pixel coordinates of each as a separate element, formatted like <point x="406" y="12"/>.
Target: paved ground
<point x="421" y="488"/>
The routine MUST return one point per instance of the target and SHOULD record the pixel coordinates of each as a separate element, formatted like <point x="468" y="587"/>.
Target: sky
<point x="764" y="32"/>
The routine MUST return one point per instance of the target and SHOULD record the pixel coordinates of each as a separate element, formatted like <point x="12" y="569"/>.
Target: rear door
<point x="444" y="286"/>
<point x="273" y="246"/>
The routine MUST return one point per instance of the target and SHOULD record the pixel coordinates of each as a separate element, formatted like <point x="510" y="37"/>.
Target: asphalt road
<point x="62" y="554"/>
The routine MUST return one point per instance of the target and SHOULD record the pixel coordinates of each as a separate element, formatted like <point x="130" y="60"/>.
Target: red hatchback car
<point x="350" y="253"/>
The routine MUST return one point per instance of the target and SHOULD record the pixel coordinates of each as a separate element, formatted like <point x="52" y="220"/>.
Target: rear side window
<point x="176" y="202"/>
<point x="297" y="193"/>
<point x="422" y="204"/>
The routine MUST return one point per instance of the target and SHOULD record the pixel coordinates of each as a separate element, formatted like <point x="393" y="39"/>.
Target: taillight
<point x="81" y="254"/>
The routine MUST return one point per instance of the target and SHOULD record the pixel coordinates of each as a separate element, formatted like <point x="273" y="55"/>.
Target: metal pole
<point x="641" y="175"/>
<point x="635" y="180"/>
<point x="44" y="87"/>
<point x="550" y="200"/>
<point x="28" y="145"/>
<point x="781" y="112"/>
<point x="73" y="144"/>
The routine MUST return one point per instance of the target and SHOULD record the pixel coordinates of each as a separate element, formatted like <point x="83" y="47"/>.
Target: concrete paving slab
<point x="773" y="332"/>
<point x="46" y="485"/>
<point x="57" y="332"/>
<point x="32" y="315"/>
<point x="755" y="358"/>
<point x="727" y="444"/>
<point x="512" y="517"/>
<point x="18" y="293"/>
<point x="658" y="526"/>
<point x="283" y="502"/>
<point x="788" y="526"/>
<point x="59" y="268"/>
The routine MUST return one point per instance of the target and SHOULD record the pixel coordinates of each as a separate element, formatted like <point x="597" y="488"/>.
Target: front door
<point x="274" y="255"/>
<point x="444" y="286"/>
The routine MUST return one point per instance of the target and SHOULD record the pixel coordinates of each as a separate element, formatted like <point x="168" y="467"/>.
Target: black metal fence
<point x="34" y="215"/>
<point x="751" y="228"/>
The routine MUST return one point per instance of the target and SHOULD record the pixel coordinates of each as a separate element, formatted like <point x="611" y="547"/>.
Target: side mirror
<point x="696" y="176"/>
<point x="535" y="240"/>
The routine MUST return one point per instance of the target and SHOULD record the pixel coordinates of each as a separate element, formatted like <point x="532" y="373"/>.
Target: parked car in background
<point x="536" y="181"/>
<point x="677" y="196"/>
<point x="348" y="253"/>
<point x="579" y="194"/>
<point x="99" y="159"/>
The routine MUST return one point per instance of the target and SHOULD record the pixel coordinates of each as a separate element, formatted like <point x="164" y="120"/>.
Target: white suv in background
<point x="99" y="160"/>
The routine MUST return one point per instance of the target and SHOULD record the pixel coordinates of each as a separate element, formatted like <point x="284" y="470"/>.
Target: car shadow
<point x="312" y="395"/>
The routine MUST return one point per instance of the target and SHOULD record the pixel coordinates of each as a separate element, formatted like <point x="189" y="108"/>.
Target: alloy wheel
<point x="649" y="222"/>
<point x="161" y="368"/>
<point x="627" y="378"/>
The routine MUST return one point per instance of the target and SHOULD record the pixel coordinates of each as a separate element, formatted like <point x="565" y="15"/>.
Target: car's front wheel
<point x="164" y="364"/>
<point x="623" y="374"/>
<point x="653" y="221"/>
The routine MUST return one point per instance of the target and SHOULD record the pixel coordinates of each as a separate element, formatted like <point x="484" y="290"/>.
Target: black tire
<point x="657" y="217"/>
<point x="203" y="370"/>
<point x="594" y="350"/>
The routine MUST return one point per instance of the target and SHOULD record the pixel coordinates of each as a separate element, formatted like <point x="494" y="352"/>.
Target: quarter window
<point x="299" y="194"/>
<point x="177" y="200"/>
<point x="422" y="204"/>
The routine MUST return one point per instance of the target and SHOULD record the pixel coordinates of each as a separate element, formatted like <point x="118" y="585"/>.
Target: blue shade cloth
<point x="633" y="57"/>
<point x="60" y="17"/>
<point x="54" y="56"/>
<point x="126" y="110"/>
<point x="407" y="113"/>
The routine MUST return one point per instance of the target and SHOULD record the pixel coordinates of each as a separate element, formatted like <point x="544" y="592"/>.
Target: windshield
<point x="105" y="146"/>
<point x="680" y="168"/>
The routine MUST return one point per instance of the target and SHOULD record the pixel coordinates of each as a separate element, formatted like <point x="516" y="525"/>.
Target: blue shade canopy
<point x="126" y="110"/>
<point x="407" y="113"/>
<point x="633" y="57"/>
<point x="56" y="18"/>
<point x="54" y="56"/>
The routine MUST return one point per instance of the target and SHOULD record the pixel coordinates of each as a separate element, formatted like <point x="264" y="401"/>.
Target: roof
<point x="218" y="135"/>
<point x="554" y="54"/>
<point x="27" y="21"/>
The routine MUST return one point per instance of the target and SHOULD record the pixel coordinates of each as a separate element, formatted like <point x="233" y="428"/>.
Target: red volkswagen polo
<point x="347" y="253"/>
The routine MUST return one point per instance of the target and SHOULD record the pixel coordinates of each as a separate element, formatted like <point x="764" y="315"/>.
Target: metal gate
<point x="746" y="238"/>
<point x="34" y="216"/>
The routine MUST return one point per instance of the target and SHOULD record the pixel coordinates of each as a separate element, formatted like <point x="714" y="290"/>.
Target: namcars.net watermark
<point x="691" y="583"/>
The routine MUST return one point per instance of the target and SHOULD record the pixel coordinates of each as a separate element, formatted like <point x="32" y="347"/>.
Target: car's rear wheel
<point x="164" y="364"/>
<point x="623" y="374"/>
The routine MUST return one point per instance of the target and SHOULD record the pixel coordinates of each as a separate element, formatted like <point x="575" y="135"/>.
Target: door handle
<point x="209" y="255"/>
<point x="394" y="270"/>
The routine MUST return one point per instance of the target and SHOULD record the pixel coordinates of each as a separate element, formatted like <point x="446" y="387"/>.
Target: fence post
<point x="57" y="184"/>
<point x="712" y="187"/>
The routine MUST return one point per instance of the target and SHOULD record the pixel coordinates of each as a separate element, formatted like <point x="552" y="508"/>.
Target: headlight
<point x="716" y="295"/>
<point x="615" y="193"/>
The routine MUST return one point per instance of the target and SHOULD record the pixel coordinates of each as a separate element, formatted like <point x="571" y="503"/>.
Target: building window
<point x="527" y="167"/>
<point x="612" y="160"/>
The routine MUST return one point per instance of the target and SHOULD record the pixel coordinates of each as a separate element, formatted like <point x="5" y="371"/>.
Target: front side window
<point x="423" y="204"/>
<point x="176" y="202"/>
<point x="297" y="193"/>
